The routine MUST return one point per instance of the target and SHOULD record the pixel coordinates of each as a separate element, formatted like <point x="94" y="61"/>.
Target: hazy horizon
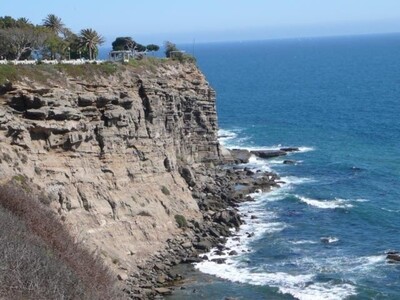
<point x="217" y="21"/>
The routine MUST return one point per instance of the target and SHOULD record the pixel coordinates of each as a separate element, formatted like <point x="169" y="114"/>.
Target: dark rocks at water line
<point x="393" y="256"/>
<point x="204" y="245"/>
<point x="289" y="162"/>
<point x="228" y="217"/>
<point x="219" y="261"/>
<point x="290" y="149"/>
<point x="268" y="153"/>
<point x="217" y="193"/>
<point x="274" y="153"/>
<point x="163" y="291"/>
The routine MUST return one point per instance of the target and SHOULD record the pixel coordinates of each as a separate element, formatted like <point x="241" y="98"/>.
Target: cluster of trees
<point x="20" y="39"/>
<point x="128" y="44"/>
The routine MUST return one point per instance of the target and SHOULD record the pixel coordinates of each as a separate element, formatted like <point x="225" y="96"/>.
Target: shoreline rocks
<point x="217" y="195"/>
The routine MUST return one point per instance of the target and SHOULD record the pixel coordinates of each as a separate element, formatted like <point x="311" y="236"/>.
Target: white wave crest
<point x="361" y="200"/>
<point x="329" y="239"/>
<point x="391" y="210"/>
<point x="326" y="291"/>
<point x="326" y="204"/>
<point x="299" y="285"/>
<point x="304" y="149"/>
<point x="302" y="242"/>
<point x="297" y="180"/>
<point x="258" y="164"/>
<point x="224" y="136"/>
<point x="231" y="271"/>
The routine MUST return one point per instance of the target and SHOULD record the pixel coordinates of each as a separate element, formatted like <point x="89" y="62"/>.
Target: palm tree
<point x="54" y="23"/>
<point x="23" y="22"/>
<point x="90" y="39"/>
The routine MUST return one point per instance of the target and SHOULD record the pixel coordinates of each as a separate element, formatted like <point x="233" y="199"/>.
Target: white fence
<point x="51" y="62"/>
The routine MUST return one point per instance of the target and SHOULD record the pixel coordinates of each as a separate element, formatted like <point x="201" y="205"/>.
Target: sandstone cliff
<point x="109" y="150"/>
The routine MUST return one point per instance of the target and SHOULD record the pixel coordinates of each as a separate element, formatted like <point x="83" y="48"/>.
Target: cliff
<point x="113" y="149"/>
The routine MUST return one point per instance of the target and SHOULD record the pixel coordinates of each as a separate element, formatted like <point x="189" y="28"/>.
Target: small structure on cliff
<point x="121" y="55"/>
<point x="125" y="55"/>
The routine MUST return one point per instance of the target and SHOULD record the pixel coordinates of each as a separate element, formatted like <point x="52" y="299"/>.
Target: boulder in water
<point x="240" y="156"/>
<point x="393" y="256"/>
<point x="268" y="153"/>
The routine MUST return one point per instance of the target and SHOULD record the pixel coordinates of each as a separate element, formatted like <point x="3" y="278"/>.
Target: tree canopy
<point x="123" y="43"/>
<point x="20" y="39"/>
<point x="169" y="47"/>
<point x="54" y="24"/>
<point x="90" y="40"/>
<point x="152" y="48"/>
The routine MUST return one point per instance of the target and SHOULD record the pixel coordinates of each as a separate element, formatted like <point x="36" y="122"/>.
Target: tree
<point x="23" y="23"/>
<point x="140" y="48"/>
<point x="73" y="45"/>
<point x="19" y="43"/>
<point x="55" y="47"/>
<point x="123" y="43"/>
<point x="152" y="47"/>
<point x="7" y="22"/>
<point x="53" y="23"/>
<point x="89" y="40"/>
<point x="169" y="47"/>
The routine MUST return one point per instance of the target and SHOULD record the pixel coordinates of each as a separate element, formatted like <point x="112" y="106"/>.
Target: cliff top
<point x="48" y="75"/>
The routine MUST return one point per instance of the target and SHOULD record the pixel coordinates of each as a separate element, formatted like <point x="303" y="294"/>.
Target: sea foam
<point x="326" y="204"/>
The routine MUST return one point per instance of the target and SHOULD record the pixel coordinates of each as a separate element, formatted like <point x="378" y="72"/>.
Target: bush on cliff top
<point x="40" y="260"/>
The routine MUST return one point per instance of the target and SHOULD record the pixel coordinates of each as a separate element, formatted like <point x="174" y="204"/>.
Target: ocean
<point x="324" y="233"/>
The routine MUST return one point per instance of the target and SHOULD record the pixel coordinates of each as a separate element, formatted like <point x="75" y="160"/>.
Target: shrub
<point x="165" y="190"/>
<point x="181" y="221"/>
<point x="40" y="259"/>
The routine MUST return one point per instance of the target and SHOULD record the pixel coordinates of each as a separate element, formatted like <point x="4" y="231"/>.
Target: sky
<point x="180" y="21"/>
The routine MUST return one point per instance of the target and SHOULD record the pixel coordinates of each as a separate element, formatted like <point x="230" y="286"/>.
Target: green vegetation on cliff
<point x="41" y="72"/>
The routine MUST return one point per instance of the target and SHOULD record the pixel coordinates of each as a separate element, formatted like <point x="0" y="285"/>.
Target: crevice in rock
<point x="167" y="164"/>
<point x="139" y="153"/>
<point x="113" y="206"/>
<point x="99" y="138"/>
<point x="148" y="112"/>
<point x="84" y="200"/>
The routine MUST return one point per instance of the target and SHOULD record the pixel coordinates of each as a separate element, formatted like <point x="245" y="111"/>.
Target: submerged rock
<point x="289" y="162"/>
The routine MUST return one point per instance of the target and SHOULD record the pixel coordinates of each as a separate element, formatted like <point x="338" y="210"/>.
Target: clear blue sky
<point x="214" y="20"/>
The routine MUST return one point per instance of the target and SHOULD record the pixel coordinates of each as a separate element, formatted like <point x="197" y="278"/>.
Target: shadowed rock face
<point x="106" y="151"/>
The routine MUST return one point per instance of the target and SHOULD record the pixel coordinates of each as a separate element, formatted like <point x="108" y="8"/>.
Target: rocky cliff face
<point x="113" y="153"/>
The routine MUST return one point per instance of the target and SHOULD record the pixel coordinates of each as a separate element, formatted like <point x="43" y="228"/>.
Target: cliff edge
<point x="112" y="148"/>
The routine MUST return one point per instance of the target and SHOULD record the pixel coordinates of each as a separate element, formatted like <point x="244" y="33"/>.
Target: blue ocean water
<point x="324" y="233"/>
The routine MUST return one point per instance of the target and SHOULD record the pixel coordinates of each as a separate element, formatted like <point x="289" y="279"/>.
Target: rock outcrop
<point x="115" y="153"/>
